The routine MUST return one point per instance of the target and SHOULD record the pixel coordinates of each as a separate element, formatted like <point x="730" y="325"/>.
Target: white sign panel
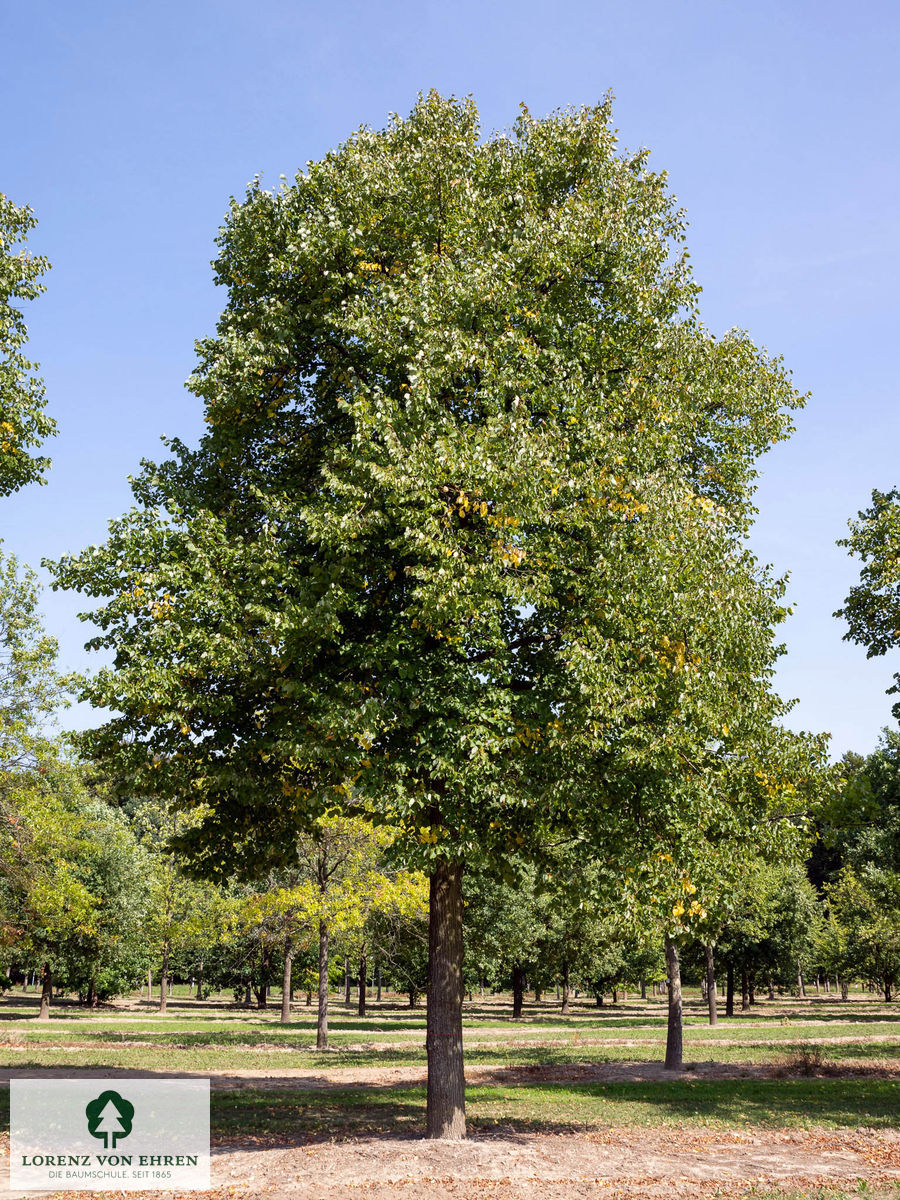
<point x="108" y="1134"/>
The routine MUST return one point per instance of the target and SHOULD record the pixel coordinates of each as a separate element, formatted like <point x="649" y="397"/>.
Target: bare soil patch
<point x="560" y="1167"/>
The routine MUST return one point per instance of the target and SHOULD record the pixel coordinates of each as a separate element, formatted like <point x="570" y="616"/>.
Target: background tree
<point x="176" y="908"/>
<point x="45" y="902"/>
<point x="24" y="423"/>
<point x="872" y="607"/>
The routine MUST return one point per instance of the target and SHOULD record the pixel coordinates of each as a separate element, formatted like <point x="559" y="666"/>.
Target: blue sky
<point x="127" y="127"/>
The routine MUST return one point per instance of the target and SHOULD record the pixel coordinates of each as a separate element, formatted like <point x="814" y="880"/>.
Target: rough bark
<point x="46" y="992"/>
<point x="643" y="989"/>
<point x="674" y="1042"/>
<point x="711" y="997"/>
<point x="322" y="1019"/>
<point x="446" y="1103"/>
<point x="565" y="989"/>
<point x="888" y="992"/>
<point x="800" y="979"/>
<point x="845" y="989"/>
<point x="286" y="983"/>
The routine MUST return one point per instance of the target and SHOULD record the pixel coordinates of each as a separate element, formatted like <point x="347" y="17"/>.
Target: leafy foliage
<point x="23" y="422"/>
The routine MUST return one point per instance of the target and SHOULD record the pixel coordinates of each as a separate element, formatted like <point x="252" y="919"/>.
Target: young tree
<point x="30" y="688"/>
<point x="23" y="422"/>
<point x="463" y="541"/>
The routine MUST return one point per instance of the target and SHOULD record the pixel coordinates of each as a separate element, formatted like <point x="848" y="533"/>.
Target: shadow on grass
<point x="561" y="1108"/>
<point x="296" y="1113"/>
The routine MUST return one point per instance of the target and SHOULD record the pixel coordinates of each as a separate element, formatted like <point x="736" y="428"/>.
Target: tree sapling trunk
<point x="46" y="992"/>
<point x="711" y="997"/>
<point x="673" y="1029"/>
<point x="729" y="989"/>
<point x="322" y="1018"/>
<point x="286" y="983"/>
<point x="518" y="991"/>
<point x="363" y="982"/>
<point x="164" y="978"/>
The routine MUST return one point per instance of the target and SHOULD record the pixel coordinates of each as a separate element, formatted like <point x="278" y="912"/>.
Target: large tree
<point x="872" y="607"/>
<point x="463" y="544"/>
<point x="24" y="423"/>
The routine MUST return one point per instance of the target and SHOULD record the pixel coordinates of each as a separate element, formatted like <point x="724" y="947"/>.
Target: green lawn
<point x="565" y="1108"/>
<point x="218" y="1037"/>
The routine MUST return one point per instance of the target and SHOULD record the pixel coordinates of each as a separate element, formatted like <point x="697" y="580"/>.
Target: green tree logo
<point x="109" y="1116"/>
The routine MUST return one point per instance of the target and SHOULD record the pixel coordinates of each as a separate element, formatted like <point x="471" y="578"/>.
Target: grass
<point x="216" y="1036"/>
<point x="562" y="1108"/>
<point x="178" y="1057"/>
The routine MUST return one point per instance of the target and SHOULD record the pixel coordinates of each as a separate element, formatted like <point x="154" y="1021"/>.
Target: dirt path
<point x="639" y="1164"/>
<point x="565" y="1167"/>
<point x="233" y="1079"/>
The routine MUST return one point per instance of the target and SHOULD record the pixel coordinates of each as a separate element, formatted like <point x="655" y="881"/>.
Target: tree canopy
<point x="463" y="545"/>
<point x="24" y="424"/>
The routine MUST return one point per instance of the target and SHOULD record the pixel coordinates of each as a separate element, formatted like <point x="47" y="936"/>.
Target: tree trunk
<point x="711" y="997"/>
<point x="845" y="989"/>
<point x="673" y="1030"/>
<point x="149" y="983"/>
<point x="378" y="984"/>
<point x="771" y="988"/>
<point x="346" y="979"/>
<point x="729" y="989"/>
<point x="643" y="989"/>
<point x="745" y="992"/>
<point x="164" y="978"/>
<point x="888" y="996"/>
<point x="751" y="982"/>
<point x="46" y="992"/>
<point x="565" y="989"/>
<point x="800" y="979"/>
<point x="363" y="969"/>
<point x="446" y="1106"/>
<point x="286" y="983"/>
<point x="248" y="995"/>
<point x="518" y="991"/>
<point x="322" y="1019"/>
<point x="200" y="981"/>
